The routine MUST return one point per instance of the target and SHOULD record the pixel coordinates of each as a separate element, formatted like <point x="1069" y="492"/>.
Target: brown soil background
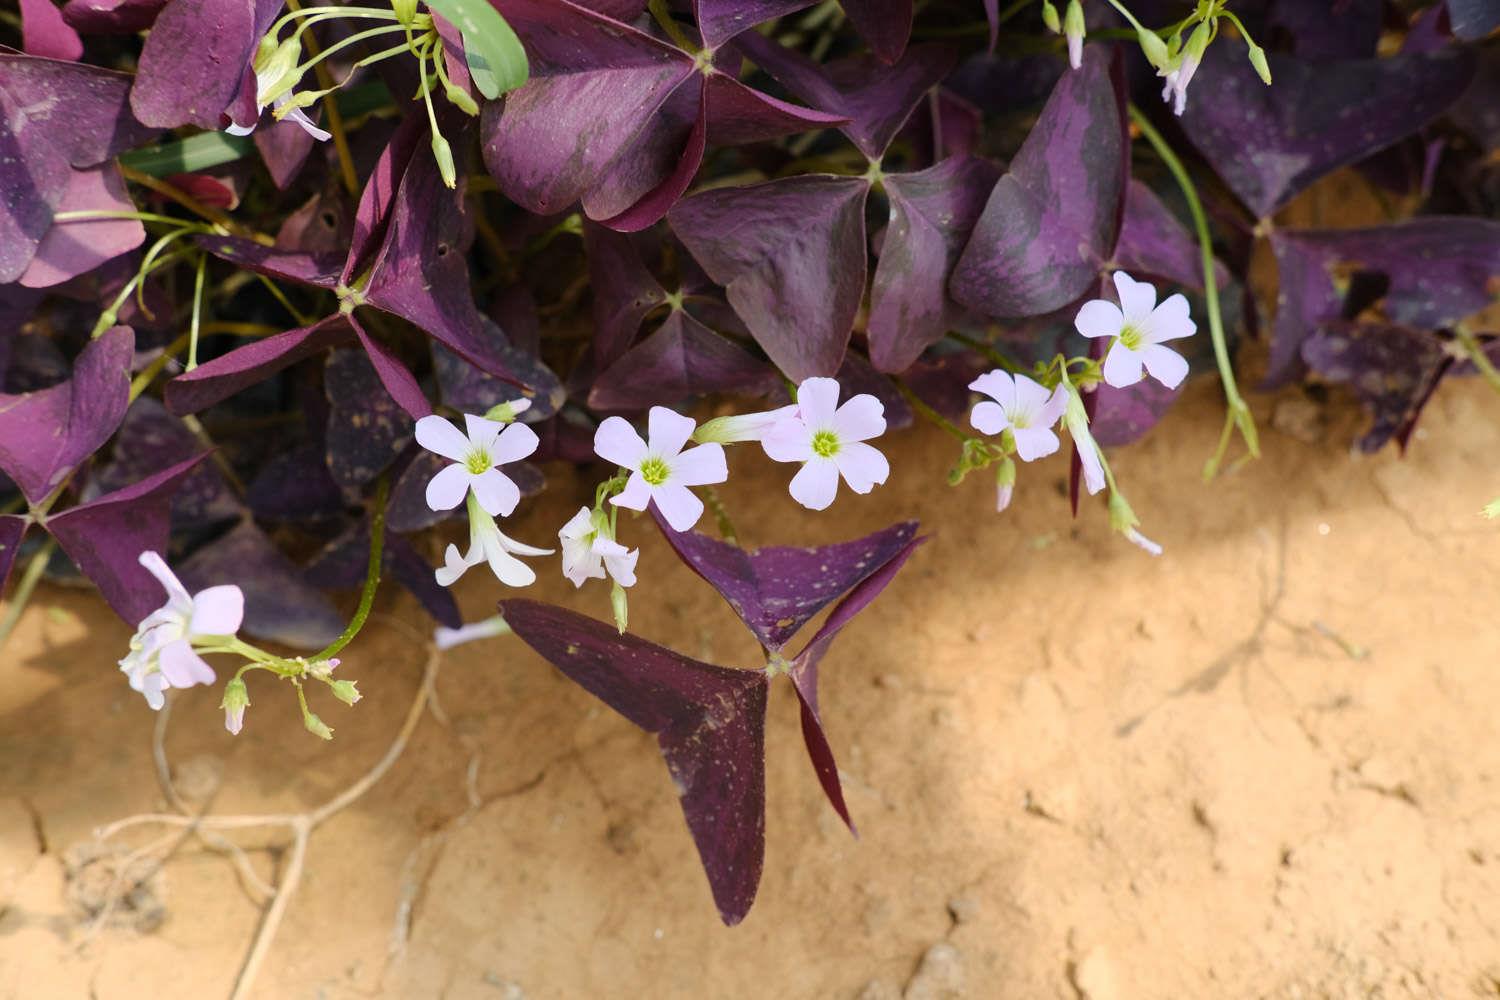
<point x="1262" y="765"/>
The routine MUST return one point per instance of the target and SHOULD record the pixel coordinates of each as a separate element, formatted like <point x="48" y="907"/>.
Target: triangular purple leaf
<point x="932" y="214"/>
<point x="721" y="20"/>
<point x="709" y="722"/>
<point x="791" y="255"/>
<point x="222" y="377"/>
<point x="1392" y="369"/>
<point x="320" y="270"/>
<point x="195" y="59"/>
<point x="682" y="359"/>
<point x="470" y="390"/>
<point x="73" y="248"/>
<point x="283" y="146"/>
<point x="45" y="33"/>
<point x="366" y="429"/>
<point x="111" y="17"/>
<point x="624" y="290"/>
<point x="1123" y="416"/>
<point x="295" y="485"/>
<point x="1051" y="222"/>
<point x="1153" y="243"/>
<point x="148" y="440"/>
<point x="884" y="24"/>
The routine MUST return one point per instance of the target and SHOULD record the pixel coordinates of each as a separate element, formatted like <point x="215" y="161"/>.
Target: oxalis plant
<point x="286" y="287"/>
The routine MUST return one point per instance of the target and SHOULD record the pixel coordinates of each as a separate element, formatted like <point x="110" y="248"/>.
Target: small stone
<point x="939" y="977"/>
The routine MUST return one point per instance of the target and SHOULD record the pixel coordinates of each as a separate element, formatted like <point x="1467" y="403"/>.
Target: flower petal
<point x="1165" y="365"/>
<point x="999" y="386"/>
<point x="181" y="667"/>
<point x="300" y="117"/>
<point x="152" y="687"/>
<point x="1137" y="298"/>
<point x="580" y="562"/>
<point x="454" y="566"/>
<point x="1099" y="318"/>
<point x="482" y="432"/>
<point x="668" y="431"/>
<point x="1170" y="321"/>
<point x="989" y="417"/>
<point x="636" y="494"/>
<point x="494" y="491"/>
<point x="157" y="566"/>
<point x="616" y="441"/>
<point x="514" y="443"/>
<point x="816" y="484"/>
<point x="1053" y="409"/>
<point x="447" y="489"/>
<point x="518" y="547"/>
<point x="507" y="568"/>
<point x="622" y="568"/>
<point x="442" y="438"/>
<point x="1093" y="469"/>
<point x="1122" y="366"/>
<point x="861" y="418"/>
<point x="1035" y="442"/>
<point x="862" y="467"/>
<point x="580" y="525"/>
<point x="678" y="505"/>
<point x="788" y="441"/>
<point x="700" y="466"/>
<point x="217" y="611"/>
<point x="817" y="399"/>
<point x="1031" y="395"/>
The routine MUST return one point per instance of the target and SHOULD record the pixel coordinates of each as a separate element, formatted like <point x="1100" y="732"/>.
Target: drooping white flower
<point x="588" y="551"/>
<point x="1076" y="420"/>
<point x="475" y="458"/>
<point x="1138" y="327"/>
<point x="661" y="471"/>
<point x="276" y="66"/>
<point x="741" y="426"/>
<point x="161" y="651"/>
<point x="828" y="439"/>
<point x="1022" y="406"/>
<point x="487" y="543"/>
<point x="489" y="628"/>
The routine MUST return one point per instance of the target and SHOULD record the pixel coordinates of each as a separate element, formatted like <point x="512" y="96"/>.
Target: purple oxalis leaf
<point x="295" y="485"/>
<point x="283" y="146"/>
<point x="44" y="32"/>
<point x="1269" y="143"/>
<point x="932" y="214"/>
<point x="1473" y="19"/>
<point x="12" y="530"/>
<point x="857" y="375"/>
<point x="791" y="254"/>
<point x="105" y="538"/>
<point x="721" y="20"/>
<point x="682" y="359"/>
<point x="709" y="722"/>
<point x="366" y="429"/>
<point x="1052" y="220"/>
<point x="111" y="17"/>
<point x="1392" y="369"/>
<point x="280" y="605"/>
<point x="73" y="248"/>
<point x="1122" y="416"/>
<point x="625" y="291"/>
<point x="321" y="270"/>
<point x="222" y="377"/>
<point x="148" y="440"/>
<point x="45" y="435"/>
<point x="884" y="24"/>
<point x="1153" y="243"/>
<point x="470" y="390"/>
<point x="195" y="59"/>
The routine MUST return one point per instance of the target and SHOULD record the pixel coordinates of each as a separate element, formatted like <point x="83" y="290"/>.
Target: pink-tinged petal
<point x="442" y="438"/>
<point x="700" y="466"/>
<point x="1137" y="298"/>
<point x="616" y="441"/>
<point x="495" y="492"/>
<point x="518" y="547"/>
<point x="482" y="432"/>
<point x="636" y="494"/>
<point x="1093" y="469"/>
<point x="862" y="467"/>
<point x="515" y="442"/>
<point x="1099" y="318"/>
<point x="447" y="489"/>
<point x="1052" y="410"/>
<point x="1031" y="395"/>
<point x="1165" y="365"/>
<point x="217" y="611"/>
<point x="861" y="418"/>
<point x="1139" y="539"/>
<point x="1170" y="321"/>
<point x="816" y="484"/>
<point x="157" y="566"/>
<point x="668" y="431"/>
<point x="182" y="668"/>
<point x="1122" y="366"/>
<point x="988" y="417"/>
<point x="678" y="505"/>
<point x="1035" y="442"/>
<point x="1003" y="493"/>
<point x="999" y="386"/>
<point x="817" y="399"/>
<point x="788" y="441"/>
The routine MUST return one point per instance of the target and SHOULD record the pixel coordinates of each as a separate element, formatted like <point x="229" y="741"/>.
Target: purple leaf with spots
<point x="280" y="605"/>
<point x="366" y="429"/>
<point x="1051" y="221"/>
<point x="1269" y="143"/>
<point x="195" y="60"/>
<point x="45" y="33"/>
<point x="682" y="359"/>
<point x="222" y="377"/>
<point x="1392" y="369"/>
<point x="69" y="249"/>
<point x="295" y="485"/>
<point x="709" y="722"/>
<point x="45" y="435"/>
<point x="466" y="388"/>
<point x="791" y="255"/>
<point x="106" y="536"/>
<point x="148" y="440"/>
<point x="932" y="214"/>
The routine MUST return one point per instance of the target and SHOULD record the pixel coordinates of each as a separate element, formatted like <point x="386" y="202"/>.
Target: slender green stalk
<point x="193" y="327"/>
<point x="22" y="594"/>
<point x="721" y="515"/>
<point x="94" y="215"/>
<point x="928" y="412"/>
<point x="372" y="572"/>
<point x="1476" y="354"/>
<point x="988" y="350"/>
<point x="1239" y="415"/>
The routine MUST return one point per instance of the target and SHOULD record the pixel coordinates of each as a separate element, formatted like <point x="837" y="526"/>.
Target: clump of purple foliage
<point x="218" y="332"/>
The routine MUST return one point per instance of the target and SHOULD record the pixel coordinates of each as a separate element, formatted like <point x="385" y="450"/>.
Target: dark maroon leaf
<point x="44" y="435"/>
<point x="709" y="722"/>
<point x="45" y="33"/>
<point x="1154" y="244"/>
<point x="344" y="562"/>
<point x="283" y="147"/>
<point x="111" y="17"/>
<point x="280" y="605"/>
<point x="195" y="59"/>
<point x="721" y="20"/>
<point x="470" y="390"/>
<point x="1392" y="369"/>
<point x="932" y="214"/>
<point x="1268" y="143"/>
<point x="295" y="485"/>
<point x="682" y="359"/>
<point x="776" y="590"/>
<point x="884" y="24"/>
<point x="624" y="290"/>
<point x="1348" y="29"/>
<point x="377" y="200"/>
<point x="1473" y="19"/>
<point x="366" y="429"/>
<point x="857" y="376"/>
<point x="791" y="255"/>
<point x="148" y="440"/>
<point x="322" y="227"/>
<point x="1051" y="222"/>
<point x="256" y="361"/>
<point x="320" y="270"/>
<point x="105" y="538"/>
<point x="12" y="529"/>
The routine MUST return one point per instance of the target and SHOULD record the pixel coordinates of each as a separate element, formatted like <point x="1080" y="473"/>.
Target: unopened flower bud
<point x="345" y="691"/>
<point x="1073" y="30"/>
<point x="620" y="604"/>
<point x="1050" y="19"/>
<point x="1005" y="483"/>
<point x="443" y="153"/>
<point x="1154" y="49"/>
<point x="406" y="10"/>
<point x="1258" y="60"/>
<point x="236" y="700"/>
<point x="506" y="413"/>
<point x="460" y="99"/>
<point x="316" y="726"/>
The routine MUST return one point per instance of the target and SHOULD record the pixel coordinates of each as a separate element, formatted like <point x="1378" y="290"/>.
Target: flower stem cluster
<point x="1177" y="61"/>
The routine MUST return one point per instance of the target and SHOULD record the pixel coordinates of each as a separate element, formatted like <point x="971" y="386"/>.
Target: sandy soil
<point x="1262" y="765"/>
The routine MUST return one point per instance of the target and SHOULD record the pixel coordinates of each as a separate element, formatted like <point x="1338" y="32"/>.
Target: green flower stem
<point x="376" y="13"/>
<point x="22" y="594"/>
<point x="280" y="296"/>
<point x="669" y="24"/>
<point x="721" y="515"/>
<point x="318" y="59"/>
<point x="928" y="412"/>
<point x="988" y="350"/>
<point x="1476" y="354"/>
<point x="372" y="572"/>
<point x="193" y="327"/>
<point x="1239" y="415"/>
<point x="93" y="215"/>
<point x="153" y="261"/>
<point x="331" y="113"/>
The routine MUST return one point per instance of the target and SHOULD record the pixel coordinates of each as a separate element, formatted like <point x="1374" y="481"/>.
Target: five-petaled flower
<point x="487" y="543"/>
<point x="161" y="651"/>
<point x="660" y="471"/>
<point x="475" y="457"/>
<point x="588" y="550"/>
<point x="1023" y="407"/>
<point x="1138" y="327"/>
<point x="829" y="440"/>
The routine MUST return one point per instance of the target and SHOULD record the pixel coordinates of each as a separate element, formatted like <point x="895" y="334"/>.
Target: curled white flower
<point x="475" y="457"/>
<point x="487" y="543"/>
<point x="589" y="552"/>
<point x="161" y="651"/>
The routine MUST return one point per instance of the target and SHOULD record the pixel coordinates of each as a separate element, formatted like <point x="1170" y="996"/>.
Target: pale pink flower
<point x="1138" y="327"/>
<point x="161" y="651"/>
<point x="1022" y="406"/>
<point x="588" y="551"/>
<point x="660" y="471"/>
<point x="475" y="458"/>
<point x="828" y="439"/>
